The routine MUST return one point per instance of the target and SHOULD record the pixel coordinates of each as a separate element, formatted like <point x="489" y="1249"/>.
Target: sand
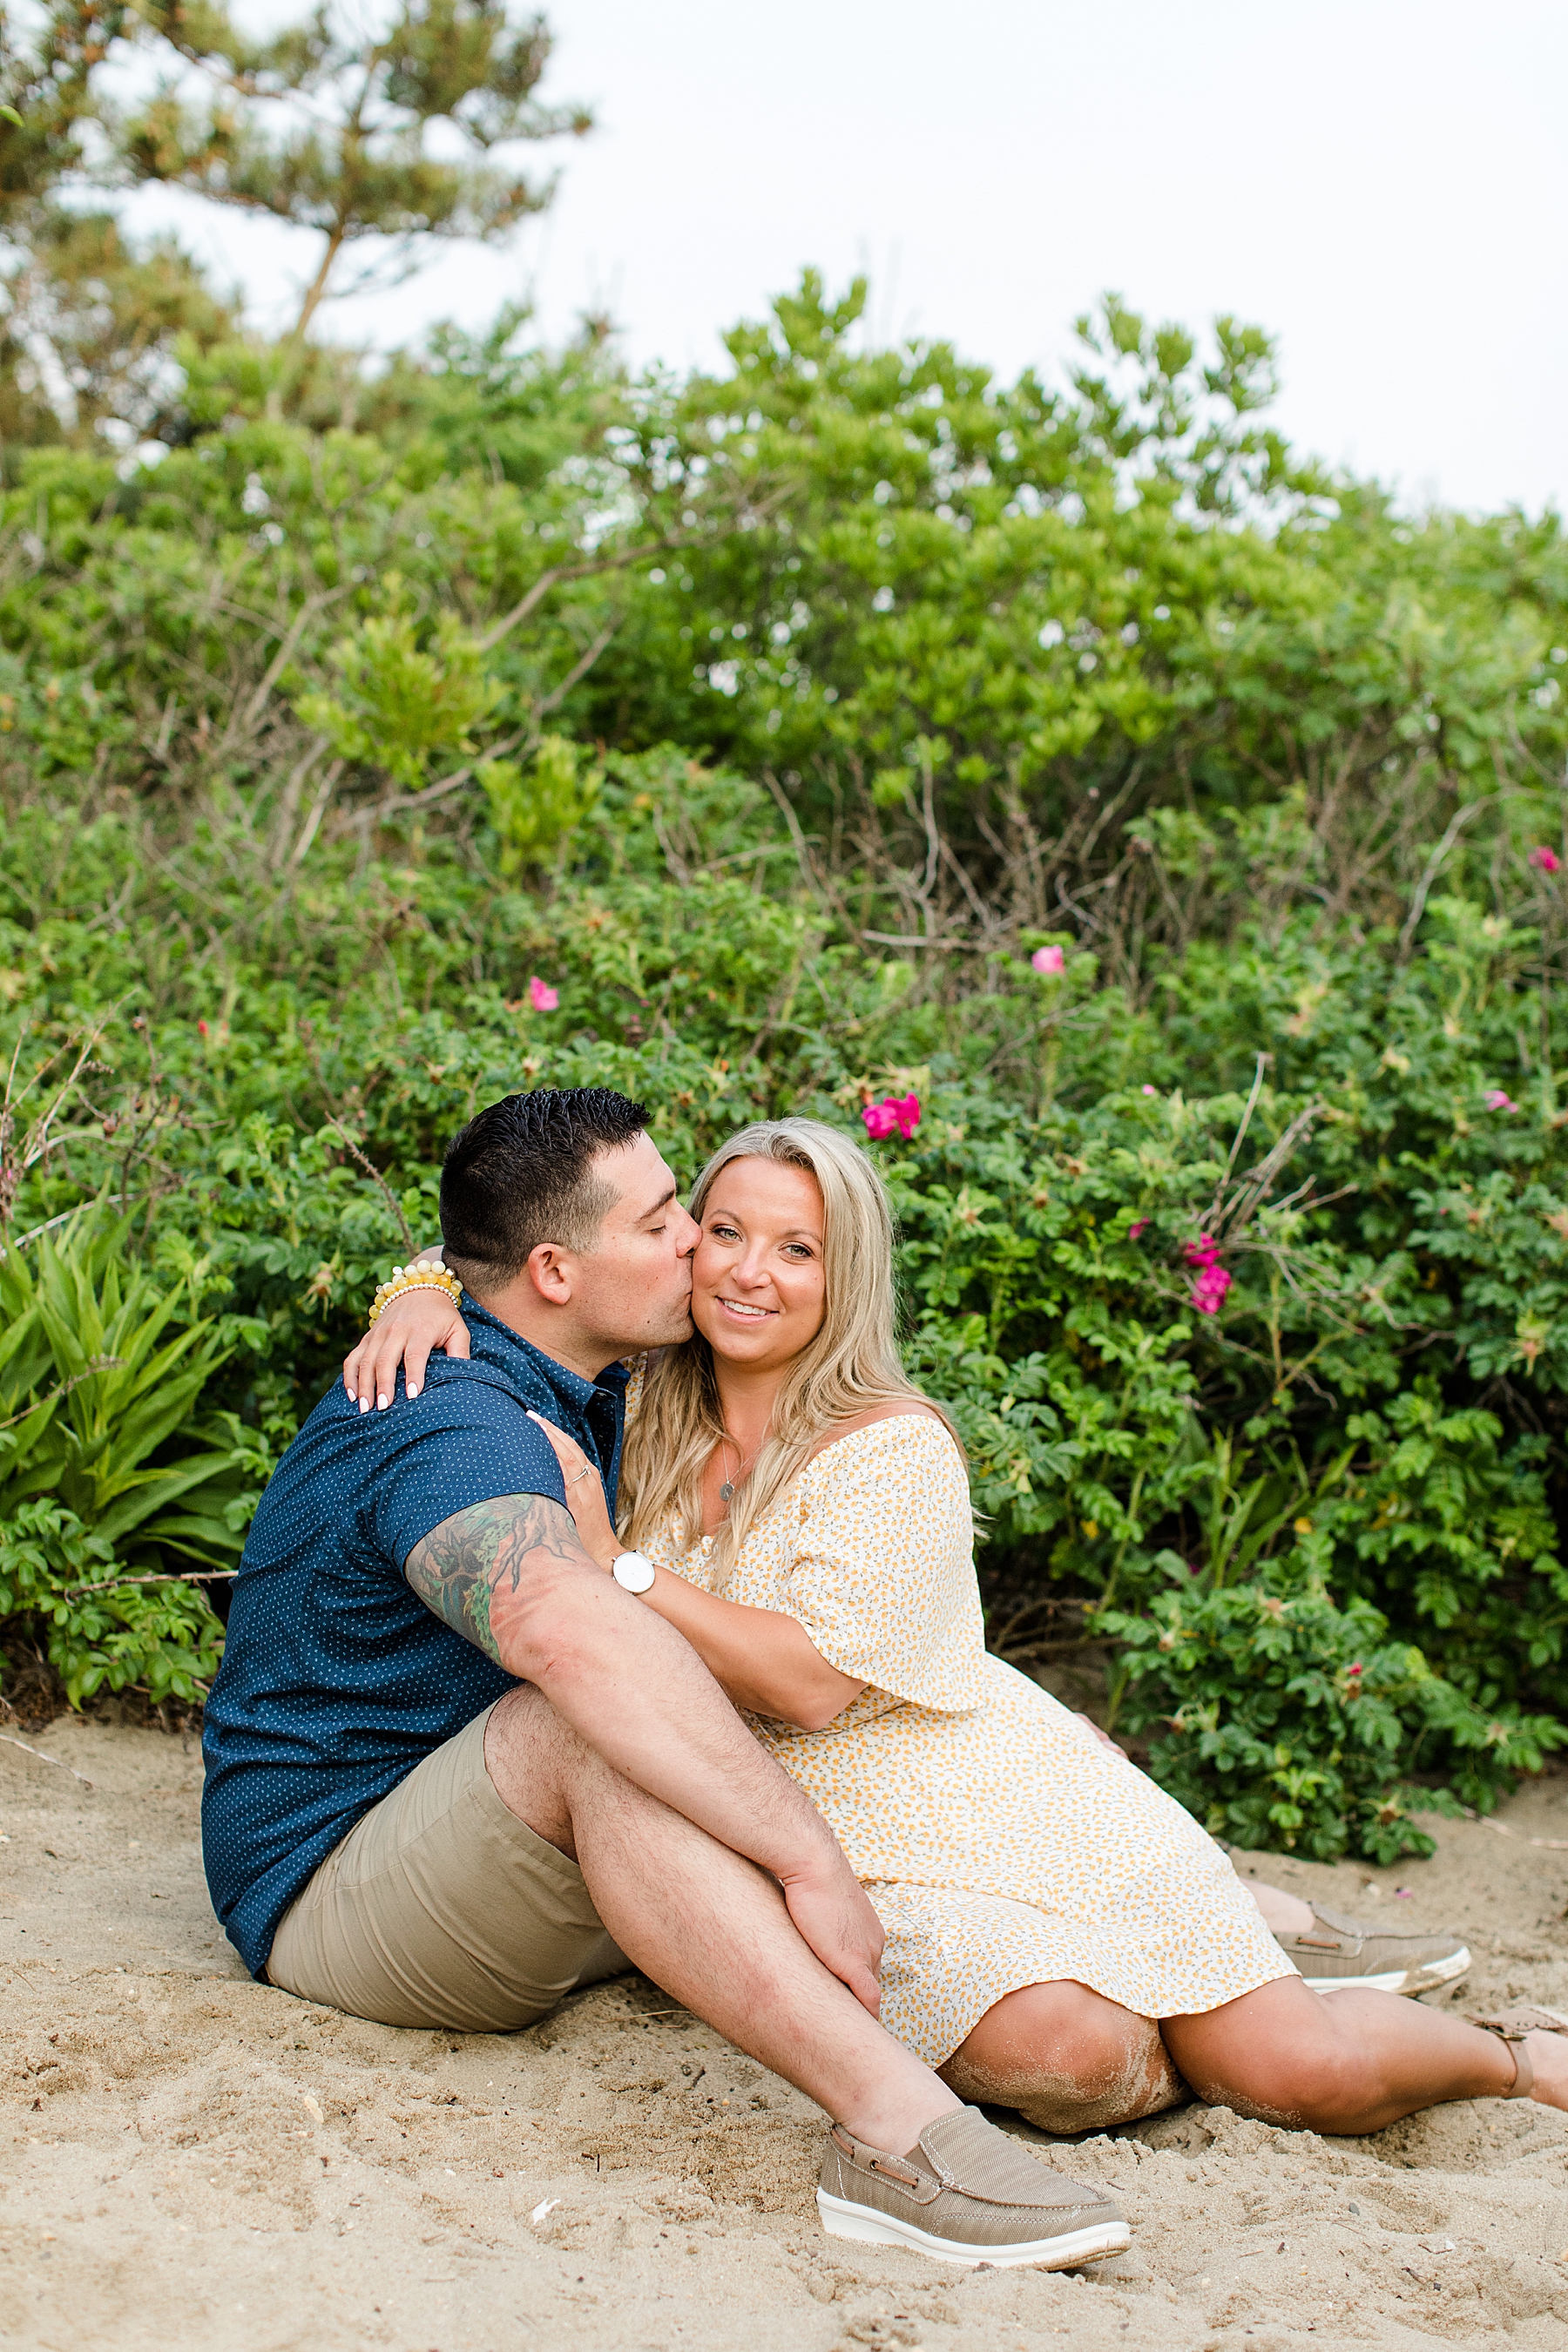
<point x="191" y="2160"/>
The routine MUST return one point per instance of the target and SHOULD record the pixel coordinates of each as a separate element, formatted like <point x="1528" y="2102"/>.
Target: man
<point x="454" y="1770"/>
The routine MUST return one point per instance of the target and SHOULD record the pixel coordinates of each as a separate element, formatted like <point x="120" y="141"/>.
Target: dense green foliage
<point x="105" y="1456"/>
<point x="776" y="720"/>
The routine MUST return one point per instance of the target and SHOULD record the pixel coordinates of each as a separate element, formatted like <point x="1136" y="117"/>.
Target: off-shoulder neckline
<point x="867" y="1429"/>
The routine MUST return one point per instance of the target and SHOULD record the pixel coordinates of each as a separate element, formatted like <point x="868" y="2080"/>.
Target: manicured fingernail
<point x="382" y="1402"/>
<point x="365" y="1404"/>
<point x="533" y="1415"/>
<point x="412" y="1393"/>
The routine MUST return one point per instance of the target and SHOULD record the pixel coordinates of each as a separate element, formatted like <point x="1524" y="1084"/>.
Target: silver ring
<point x="587" y="1472"/>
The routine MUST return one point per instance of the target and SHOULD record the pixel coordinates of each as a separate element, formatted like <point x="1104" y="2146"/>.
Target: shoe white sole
<point x="1411" y="1981"/>
<point x="1063" y="2252"/>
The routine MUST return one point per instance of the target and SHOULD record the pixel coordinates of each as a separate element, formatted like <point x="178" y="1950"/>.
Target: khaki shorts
<point x="441" y="1908"/>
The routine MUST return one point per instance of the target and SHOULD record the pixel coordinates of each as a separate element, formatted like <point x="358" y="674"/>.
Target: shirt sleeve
<point x="461" y="1441"/>
<point x="883" y="1573"/>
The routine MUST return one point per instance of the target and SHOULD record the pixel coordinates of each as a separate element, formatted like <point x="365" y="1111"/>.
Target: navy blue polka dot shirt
<point x="336" y="1679"/>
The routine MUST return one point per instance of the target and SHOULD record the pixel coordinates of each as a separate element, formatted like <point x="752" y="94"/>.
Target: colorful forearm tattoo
<point x="488" y="1553"/>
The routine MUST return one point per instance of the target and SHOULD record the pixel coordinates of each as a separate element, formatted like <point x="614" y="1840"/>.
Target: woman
<point x="1062" y="1938"/>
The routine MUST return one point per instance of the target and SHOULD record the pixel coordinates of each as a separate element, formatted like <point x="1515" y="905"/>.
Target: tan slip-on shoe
<point x="1340" y="1954"/>
<point x="966" y="2193"/>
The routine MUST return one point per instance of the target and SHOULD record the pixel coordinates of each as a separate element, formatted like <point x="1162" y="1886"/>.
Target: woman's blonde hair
<point x="852" y="1363"/>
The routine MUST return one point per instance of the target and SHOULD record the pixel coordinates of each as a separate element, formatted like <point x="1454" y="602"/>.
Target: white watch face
<point x="632" y="1572"/>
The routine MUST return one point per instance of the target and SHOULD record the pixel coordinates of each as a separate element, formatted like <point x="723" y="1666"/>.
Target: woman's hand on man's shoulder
<point x="409" y="1331"/>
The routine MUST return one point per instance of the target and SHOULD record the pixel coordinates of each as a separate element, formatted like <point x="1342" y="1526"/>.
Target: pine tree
<point x="45" y="93"/>
<point x="88" y="320"/>
<point x="325" y="125"/>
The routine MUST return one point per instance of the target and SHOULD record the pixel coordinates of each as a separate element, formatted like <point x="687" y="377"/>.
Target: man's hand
<point x="834" y="1913"/>
<point x="584" y="1494"/>
<point x="407" y="1332"/>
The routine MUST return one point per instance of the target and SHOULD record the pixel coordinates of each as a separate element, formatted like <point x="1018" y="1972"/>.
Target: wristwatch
<point x="632" y="1572"/>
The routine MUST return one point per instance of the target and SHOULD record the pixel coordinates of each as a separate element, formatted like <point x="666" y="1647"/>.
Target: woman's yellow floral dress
<point x="1002" y="1844"/>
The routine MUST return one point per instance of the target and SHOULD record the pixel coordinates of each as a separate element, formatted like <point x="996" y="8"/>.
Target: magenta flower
<point x="1048" y="959"/>
<point x="1547" y="859"/>
<point x="1497" y="1100"/>
<point x="1213" y="1282"/>
<point x="899" y="1114"/>
<point x="1209" y="1289"/>
<point x="542" y="996"/>
<point x="1150" y="1091"/>
<point x="1135" y="1233"/>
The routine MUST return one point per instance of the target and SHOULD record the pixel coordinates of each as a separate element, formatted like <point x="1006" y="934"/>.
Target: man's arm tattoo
<point x="459" y="1566"/>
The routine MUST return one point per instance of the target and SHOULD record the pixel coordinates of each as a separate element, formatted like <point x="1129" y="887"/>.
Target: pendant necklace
<point x="727" y="1491"/>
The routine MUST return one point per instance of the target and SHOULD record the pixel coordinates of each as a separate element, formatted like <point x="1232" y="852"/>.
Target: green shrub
<point x="1288" y="1720"/>
<point x="102" y="1364"/>
<point x="322" y="741"/>
<point x="101" y="1631"/>
<point x="105" y="1363"/>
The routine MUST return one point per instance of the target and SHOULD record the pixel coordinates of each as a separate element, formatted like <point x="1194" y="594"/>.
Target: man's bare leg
<point x="710" y="1927"/>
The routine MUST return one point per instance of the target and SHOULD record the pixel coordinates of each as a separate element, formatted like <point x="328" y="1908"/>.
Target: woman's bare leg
<point x="1348" y="2062"/>
<point x="1066" y="2058"/>
<point x="1283" y="1915"/>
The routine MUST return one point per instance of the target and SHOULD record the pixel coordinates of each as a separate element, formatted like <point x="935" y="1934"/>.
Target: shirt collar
<point x="498" y="1340"/>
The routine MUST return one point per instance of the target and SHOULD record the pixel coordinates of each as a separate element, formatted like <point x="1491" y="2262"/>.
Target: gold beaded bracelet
<point x="414" y="1277"/>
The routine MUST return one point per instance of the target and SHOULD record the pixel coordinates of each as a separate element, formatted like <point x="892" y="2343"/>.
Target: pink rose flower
<point x="1547" y="859"/>
<point x="1047" y="959"/>
<point x="1497" y="1100"/>
<point x="1150" y="1090"/>
<point x="542" y="996"/>
<point x="1213" y="1282"/>
<point x="1135" y="1233"/>
<point x="899" y="1114"/>
<point x="1208" y="1291"/>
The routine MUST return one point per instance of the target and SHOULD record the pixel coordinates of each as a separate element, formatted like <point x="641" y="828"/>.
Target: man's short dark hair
<point x="522" y="1172"/>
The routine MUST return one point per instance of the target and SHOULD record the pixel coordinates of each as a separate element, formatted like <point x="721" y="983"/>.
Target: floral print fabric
<point x="1002" y="1844"/>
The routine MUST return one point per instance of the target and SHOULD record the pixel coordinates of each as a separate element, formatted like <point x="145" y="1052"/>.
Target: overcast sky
<point x="1381" y="183"/>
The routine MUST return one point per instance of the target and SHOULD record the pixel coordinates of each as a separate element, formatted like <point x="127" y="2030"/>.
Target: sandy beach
<point x="191" y="2160"/>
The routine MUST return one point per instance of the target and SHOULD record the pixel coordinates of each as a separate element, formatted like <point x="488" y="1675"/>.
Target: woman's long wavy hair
<point x="852" y="1363"/>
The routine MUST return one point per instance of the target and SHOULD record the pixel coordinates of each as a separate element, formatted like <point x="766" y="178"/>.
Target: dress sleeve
<point x="882" y="1577"/>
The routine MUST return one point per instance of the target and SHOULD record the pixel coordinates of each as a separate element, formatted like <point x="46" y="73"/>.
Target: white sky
<point x="1381" y="183"/>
